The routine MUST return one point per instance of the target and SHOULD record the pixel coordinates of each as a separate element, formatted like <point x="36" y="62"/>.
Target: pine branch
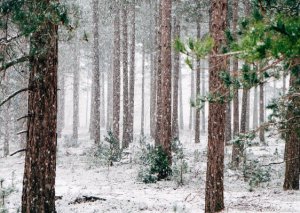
<point x="13" y="95"/>
<point x="14" y="62"/>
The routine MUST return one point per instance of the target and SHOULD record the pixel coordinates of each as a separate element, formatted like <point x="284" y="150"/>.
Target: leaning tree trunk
<point x="175" y="131"/>
<point x="214" y="197"/>
<point x="116" y="77"/>
<point x="95" y="104"/>
<point x="132" y="76"/>
<point x="198" y="80"/>
<point x="126" y="136"/>
<point x="292" y="146"/>
<point x="40" y="161"/>
<point x="166" y="79"/>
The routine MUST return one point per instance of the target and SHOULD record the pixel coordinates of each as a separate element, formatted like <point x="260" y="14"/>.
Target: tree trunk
<point x="198" y="80"/>
<point x="102" y="95"/>
<point x="143" y="91"/>
<point x="158" y="126"/>
<point x="175" y="131"/>
<point x="203" y="110"/>
<point x="40" y="161"/>
<point x="132" y="76"/>
<point x="76" y="68"/>
<point x="214" y="197"/>
<point x="116" y="76"/>
<point x="255" y="109"/>
<point x="6" y="131"/>
<point x="236" y="112"/>
<point x="192" y="110"/>
<point x="95" y="103"/>
<point x="292" y="146"/>
<point x="261" y="113"/>
<point x="181" y="121"/>
<point x="165" y="136"/>
<point x="125" y="140"/>
<point x="109" y="100"/>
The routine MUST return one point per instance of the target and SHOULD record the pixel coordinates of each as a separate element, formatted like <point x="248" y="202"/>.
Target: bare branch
<point x="13" y="95"/>
<point x="21" y="150"/>
<point x="14" y="62"/>
<point x="22" y="132"/>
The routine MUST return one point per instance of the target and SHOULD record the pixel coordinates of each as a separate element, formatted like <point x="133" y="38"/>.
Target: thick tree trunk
<point x="132" y="76"/>
<point x="76" y="68"/>
<point x="40" y="161"/>
<point x="116" y="76"/>
<point x="214" y="197"/>
<point x="165" y="136"/>
<point x="126" y="136"/>
<point x="198" y="81"/>
<point x="175" y="131"/>
<point x="95" y="103"/>
<point x="292" y="146"/>
<point x="143" y="91"/>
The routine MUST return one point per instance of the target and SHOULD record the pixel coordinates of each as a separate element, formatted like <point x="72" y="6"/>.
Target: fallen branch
<point x="86" y="199"/>
<point x="21" y="150"/>
<point x="13" y="95"/>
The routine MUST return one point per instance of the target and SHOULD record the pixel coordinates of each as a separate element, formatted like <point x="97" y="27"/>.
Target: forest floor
<point x="79" y="175"/>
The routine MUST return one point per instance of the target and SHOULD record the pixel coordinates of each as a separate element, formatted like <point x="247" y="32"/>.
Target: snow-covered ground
<point x="118" y="185"/>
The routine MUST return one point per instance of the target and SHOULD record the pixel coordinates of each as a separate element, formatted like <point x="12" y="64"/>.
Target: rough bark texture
<point x="198" y="81"/>
<point x="126" y="136"/>
<point x="132" y="76"/>
<point x="165" y="136"/>
<point x="75" y="92"/>
<point x="95" y="103"/>
<point x="292" y="146"/>
<point x="214" y="197"/>
<point x="176" y="55"/>
<point x="116" y="77"/>
<point x="40" y="161"/>
<point x="143" y="91"/>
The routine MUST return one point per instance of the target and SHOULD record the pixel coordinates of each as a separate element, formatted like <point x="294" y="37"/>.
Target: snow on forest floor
<point x="118" y="185"/>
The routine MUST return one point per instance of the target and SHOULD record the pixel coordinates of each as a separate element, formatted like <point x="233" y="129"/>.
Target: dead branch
<point x="13" y="95"/>
<point x="276" y="163"/>
<point x="16" y="152"/>
<point x="14" y="62"/>
<point x="22" y="132"/>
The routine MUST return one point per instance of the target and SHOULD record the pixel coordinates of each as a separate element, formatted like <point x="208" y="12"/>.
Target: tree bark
<point x="126" y="136"/>
<point x="116" y="76"/>
<point x="198" y="81"/>
<point x="143" y="91"/>
<point x="95" y="103"/>
<point x="75" y="91"/>
<point x="292" y="146"/>
<point x="175" y="131"/>
<point x="40" y="161"/>
<point x="214" y="192"/>
<point x="132" y="76"/>
<point x="165" y="136"/>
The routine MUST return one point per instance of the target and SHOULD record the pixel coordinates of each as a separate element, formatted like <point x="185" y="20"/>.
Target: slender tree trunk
<point x="143" y="91"/>
<point x="109" y="100"/>
<point x="116" y="76"/>
<point x="125" y="141"/>
<point x="181" y="121"/>
<point x="6" y="131"/>
<point x="236" y="111"/>
<point x="76" y="68"/>
<point x="158" y="126"/>
<point x="255" y="109"/>
<point x="198" y="80"/>
<point x="284" y="84"/>
<point x="61" y="106"/>
<point x="261" y="113"/>
<point x="96" y="76"/>
<point x="214" y="193"/>
<point x="292" y="146"/>
<point x="203" y="110"/>
<point x="102" y="102"/>
<point x="192" y="110"/>
<point x="132" y="76"/>
<point x="166" y="78"/>
<point x="40" y="161"/>
<point x="175" y="131"/>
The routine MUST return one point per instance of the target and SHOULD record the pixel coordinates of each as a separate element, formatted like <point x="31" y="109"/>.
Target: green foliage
<point x="180" y="165"/>
<point x="155" y="165"/>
